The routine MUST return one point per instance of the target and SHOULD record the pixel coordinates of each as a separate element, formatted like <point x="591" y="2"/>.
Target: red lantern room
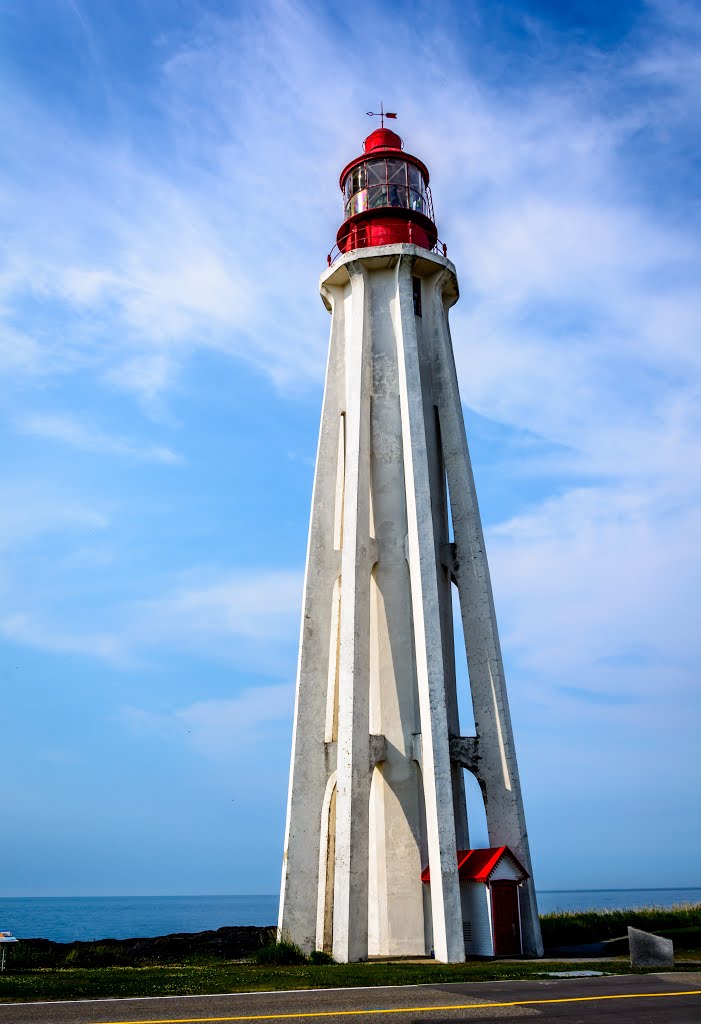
<point x="386" y="198"/>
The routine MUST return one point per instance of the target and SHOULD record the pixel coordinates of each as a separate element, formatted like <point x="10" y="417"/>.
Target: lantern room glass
<point x="385" y="182"/>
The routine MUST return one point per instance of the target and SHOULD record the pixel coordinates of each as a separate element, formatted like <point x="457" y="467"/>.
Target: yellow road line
<point x="403" y="1009"/>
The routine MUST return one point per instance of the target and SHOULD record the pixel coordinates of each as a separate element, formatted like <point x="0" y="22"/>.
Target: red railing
<point x="363" y="242"/>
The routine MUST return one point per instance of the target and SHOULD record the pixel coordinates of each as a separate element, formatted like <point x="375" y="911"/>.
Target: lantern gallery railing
<point x="360" y="238"/>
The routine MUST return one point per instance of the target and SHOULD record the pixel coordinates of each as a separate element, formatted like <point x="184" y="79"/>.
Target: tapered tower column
<point x="490" y="755"/>
<point x="376" y="787"/>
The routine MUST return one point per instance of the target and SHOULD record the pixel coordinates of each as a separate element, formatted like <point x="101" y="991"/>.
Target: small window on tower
<point x="416" y="281"/>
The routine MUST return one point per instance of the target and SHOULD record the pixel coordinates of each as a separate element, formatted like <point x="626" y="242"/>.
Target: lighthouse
<point x="377" y="834"/>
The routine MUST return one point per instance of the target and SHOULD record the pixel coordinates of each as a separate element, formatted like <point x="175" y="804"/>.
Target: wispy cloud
<point x="31" y="509"/>
<point x="22" y="629"/>
<point x="580" y="315"/>
<point x="585" y="578"/>
<point x="245" y="602"/>
<point x="220" y="729"/>
<point x="247" y="618"/>
<point x="73" y="432"/>
<point x="19" y="353"/>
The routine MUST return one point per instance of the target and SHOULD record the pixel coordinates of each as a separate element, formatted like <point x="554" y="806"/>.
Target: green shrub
<point x="281" y="953"/>
<point x="22" y="957"/>
<point x="319" y="956"/>
<point x="97" y="956"/>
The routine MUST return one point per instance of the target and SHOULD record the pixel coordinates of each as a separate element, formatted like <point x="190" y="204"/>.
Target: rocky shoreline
<point x="231" y="943"/>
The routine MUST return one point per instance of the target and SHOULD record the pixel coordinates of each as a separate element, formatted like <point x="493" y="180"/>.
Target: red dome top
<point x="382" y="138"/>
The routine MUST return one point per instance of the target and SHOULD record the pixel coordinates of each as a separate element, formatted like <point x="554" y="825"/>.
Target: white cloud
<point x="30" y="509"/>
<point x="149" y="376"/>
<point x="22" y="629"/>
<point x="73" y="432"/>
<point x="249" y="618"/>
<point x="229" y="729"/>
<point x="256" y="604"/>
<point x="578" y="321"/>
<point x="18" y="352"/>
<point x="594" y="575"/>
<point x="222" y="247"/>
<point x="241" y="599"/>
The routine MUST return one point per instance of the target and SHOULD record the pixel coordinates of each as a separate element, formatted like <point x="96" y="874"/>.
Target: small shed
<point x="489" y="881"/>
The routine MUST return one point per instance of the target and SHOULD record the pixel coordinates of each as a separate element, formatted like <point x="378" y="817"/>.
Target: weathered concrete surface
<point x="492" y="754"/>
<point x="376" y="780"/>
<point x="648" y="950"/>
<point x="312" y="762"/>
<point x="350" y="894"/>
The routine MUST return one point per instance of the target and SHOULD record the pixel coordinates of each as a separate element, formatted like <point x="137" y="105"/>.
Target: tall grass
<point x="573" y="928"/>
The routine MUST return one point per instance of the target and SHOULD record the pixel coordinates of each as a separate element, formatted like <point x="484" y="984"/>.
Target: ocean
<point x="66" y="919"/>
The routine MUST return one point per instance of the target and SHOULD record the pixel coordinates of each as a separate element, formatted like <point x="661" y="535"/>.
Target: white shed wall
<point x="477" y="910"/>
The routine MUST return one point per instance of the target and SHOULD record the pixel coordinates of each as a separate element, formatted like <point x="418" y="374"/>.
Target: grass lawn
<point x="227" y="976"/>
<point x="681" y="923"/>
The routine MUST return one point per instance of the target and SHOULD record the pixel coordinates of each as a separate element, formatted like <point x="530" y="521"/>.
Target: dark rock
<point x="230" y="943"/>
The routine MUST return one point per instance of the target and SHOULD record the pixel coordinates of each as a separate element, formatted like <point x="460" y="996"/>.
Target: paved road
<point x="651" y="999"/>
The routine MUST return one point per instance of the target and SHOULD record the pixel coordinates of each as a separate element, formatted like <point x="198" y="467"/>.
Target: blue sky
<point x="168" y="197"/>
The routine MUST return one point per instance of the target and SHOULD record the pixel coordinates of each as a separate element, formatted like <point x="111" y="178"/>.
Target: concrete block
<point x="648" y="950"/>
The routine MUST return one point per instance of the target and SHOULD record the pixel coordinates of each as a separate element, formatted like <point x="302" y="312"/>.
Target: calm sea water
<point x="119" y="917"/>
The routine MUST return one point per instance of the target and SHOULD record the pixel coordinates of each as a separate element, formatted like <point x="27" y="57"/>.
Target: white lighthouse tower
<point x="376" y="796"/>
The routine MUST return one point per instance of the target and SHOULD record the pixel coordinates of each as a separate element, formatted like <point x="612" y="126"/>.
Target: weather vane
<point x="383" y="114"/>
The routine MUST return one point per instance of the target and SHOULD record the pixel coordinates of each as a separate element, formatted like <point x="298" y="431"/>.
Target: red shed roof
<point x="478" y="865"/>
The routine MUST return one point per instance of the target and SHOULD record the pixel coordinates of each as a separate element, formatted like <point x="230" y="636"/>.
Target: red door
<point x="507" y="930"/>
